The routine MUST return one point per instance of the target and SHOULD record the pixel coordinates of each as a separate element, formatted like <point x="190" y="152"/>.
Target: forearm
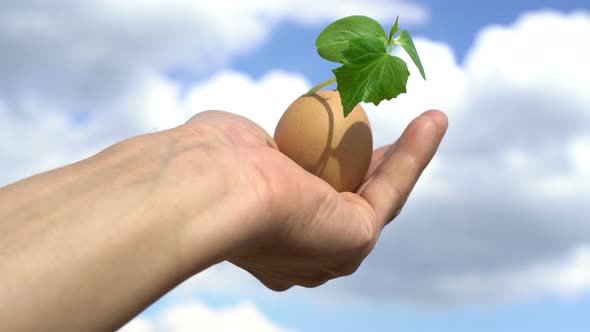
<point x="88" y="246"/>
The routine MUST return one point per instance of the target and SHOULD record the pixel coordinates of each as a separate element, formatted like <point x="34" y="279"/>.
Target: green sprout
<point x="369" y="73"/>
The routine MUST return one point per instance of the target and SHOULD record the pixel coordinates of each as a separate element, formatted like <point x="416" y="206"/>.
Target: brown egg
<point x="314" y="133"/>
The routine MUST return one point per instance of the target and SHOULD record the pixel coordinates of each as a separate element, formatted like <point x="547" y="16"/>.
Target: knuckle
<point x="391" y="191"/>
<point x="410" y="161"/>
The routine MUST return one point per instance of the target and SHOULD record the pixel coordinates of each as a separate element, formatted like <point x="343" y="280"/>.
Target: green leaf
<point x="370" y="74"/>
<point x="406" y="42"/>
<point x="394" y="28"/>
<point x="364" y="46"/>
<point x="334" y="41"/>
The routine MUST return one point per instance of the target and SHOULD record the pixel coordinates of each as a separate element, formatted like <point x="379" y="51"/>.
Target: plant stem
<point x="320" y="86"/>
<point x="391" y="44"/>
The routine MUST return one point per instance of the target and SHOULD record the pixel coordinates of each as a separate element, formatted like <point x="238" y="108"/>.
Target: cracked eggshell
<point x="314" y="133"/>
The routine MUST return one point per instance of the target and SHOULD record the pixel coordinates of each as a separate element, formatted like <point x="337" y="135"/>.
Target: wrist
<point x="123" y="227"/>
<point x="218" y="197"/>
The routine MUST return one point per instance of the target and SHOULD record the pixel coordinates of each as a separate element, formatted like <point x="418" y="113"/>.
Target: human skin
<point x="88" y="246"/>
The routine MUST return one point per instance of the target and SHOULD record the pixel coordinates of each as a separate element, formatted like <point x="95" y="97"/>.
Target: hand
<point x="311" y="233"/>
<point x="111" y="234"/>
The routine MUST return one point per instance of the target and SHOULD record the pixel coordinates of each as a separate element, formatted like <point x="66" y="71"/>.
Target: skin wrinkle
<point x="392" y="191"/>
<point x="257" y="182"/>
<point x="371" y="223"/>
<point x="51" y="199"/>
<point x="235" y="136"/>
<point x="304" y="276"/>
<point x="267" y="192"/>
<point x="158" y="209"/>
<point x="296" y="196"/>
<point x="257" y="186"/>
<point x="401" y="199"/>
<point x="367" y="231"/>
<point x="377" y="158"/>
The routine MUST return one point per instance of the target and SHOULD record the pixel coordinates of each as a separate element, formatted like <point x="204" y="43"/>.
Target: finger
<point x="376" y="159"/>
<point x="392" y="181"/>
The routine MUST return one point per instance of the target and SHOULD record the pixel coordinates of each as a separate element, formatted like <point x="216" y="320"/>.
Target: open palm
<point x="313" y="233"/>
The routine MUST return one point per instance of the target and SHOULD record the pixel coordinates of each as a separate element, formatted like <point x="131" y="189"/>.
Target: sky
<point x="495" y="236"/>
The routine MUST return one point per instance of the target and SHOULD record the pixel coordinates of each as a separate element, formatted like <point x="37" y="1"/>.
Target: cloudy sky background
<point x="496" y="236"/>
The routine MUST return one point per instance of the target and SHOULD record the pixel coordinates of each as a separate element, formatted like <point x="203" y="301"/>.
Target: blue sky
<point x="543" y="315"/>
<point x="454" y="22"/>
<point x="494" y="238"/>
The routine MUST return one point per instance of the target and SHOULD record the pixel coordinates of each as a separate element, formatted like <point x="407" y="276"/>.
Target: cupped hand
<point x="311" y="233"/>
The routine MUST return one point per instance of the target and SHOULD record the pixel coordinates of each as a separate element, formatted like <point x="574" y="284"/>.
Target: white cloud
<point x="311" y="11"/>
<point x="503" y="202"/>
<point x="97" y="50"/>
<point x="101" y="62"/>
<point x="223" y="278"/>
<point x="568" y="276"/>
<point x="138" y="324"/>
<point x="501" y="214"/>
<point x="195" y="316"/>
<point x="263" y="101"/>
<point x="53" y="137"/>
<point x="520" y="56"/>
